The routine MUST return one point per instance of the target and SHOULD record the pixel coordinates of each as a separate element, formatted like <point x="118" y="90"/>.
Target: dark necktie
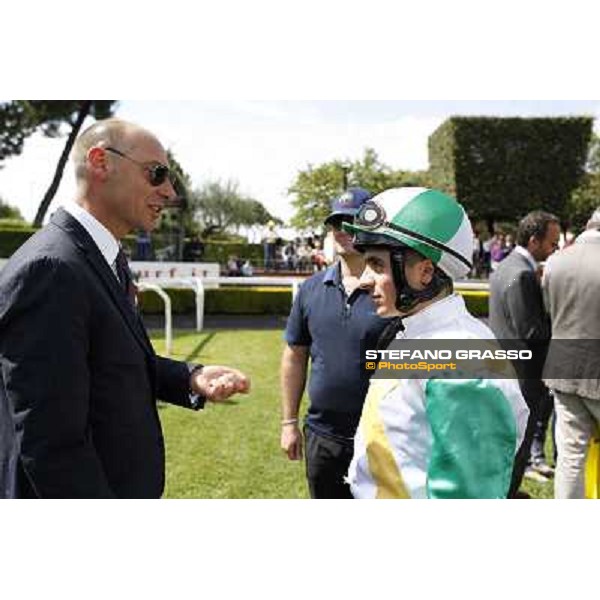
<point x="125" y="277"/>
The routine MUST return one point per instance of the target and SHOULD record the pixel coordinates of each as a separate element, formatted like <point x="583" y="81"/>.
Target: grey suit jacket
<point x="571" y="287"/>
<point x="517" y="310"/>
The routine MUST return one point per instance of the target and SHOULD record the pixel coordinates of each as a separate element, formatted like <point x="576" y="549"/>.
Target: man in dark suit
<point x="517" y="313"/>
<point x="79" y="379"/>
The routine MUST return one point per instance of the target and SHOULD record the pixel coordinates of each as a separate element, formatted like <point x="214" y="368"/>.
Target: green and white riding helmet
<point x="426" y="220"/>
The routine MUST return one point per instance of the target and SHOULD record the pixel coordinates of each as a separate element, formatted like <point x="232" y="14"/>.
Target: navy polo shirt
<point x="335" y="327"/>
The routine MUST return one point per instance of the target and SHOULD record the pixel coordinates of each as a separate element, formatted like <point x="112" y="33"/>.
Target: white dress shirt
<point x="103" y="238"/>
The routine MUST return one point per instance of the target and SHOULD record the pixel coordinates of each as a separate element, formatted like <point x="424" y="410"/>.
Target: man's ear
<point x="426" y="270"/>
<point x="98" y="165"/>
<point x="532" y="243"/>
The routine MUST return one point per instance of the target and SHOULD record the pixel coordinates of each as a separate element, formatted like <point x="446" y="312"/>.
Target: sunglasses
<point x="157" y="172"/>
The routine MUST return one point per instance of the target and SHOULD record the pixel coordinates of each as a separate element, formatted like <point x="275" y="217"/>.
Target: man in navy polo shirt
<point x="333" y="321"/>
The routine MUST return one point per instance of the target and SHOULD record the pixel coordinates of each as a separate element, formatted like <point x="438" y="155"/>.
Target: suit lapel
<point x="83" y="240"/>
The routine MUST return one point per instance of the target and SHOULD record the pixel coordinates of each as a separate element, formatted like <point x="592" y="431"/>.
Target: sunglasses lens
<point x="158" y="175"/>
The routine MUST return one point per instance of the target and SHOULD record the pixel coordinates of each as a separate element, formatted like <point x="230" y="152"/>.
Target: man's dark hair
<point x="534" y="224"/>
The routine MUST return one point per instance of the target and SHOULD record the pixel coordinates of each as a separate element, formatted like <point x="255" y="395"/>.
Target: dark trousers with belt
<point x="327" y="462"/>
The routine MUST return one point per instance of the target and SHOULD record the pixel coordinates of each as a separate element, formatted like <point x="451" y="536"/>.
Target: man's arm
<point x="476" y="428"/>
<point x="44" y="344"/>
<point x="294" y="363"/>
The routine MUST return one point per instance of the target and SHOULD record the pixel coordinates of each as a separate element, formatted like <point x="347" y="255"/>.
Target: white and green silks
<point x="438" y="438"/>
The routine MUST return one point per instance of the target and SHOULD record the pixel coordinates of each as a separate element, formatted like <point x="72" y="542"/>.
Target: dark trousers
<point x="534" y="393"/>
<point x="545" y="412"/>
<point x="327" y="462"/>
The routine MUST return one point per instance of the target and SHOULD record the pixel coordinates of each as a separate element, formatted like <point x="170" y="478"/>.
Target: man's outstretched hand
<point x="218" y="383"/>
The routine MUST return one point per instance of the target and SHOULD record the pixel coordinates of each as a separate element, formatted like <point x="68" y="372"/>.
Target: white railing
<point x="197" y="284"/>
<point x="146" y="286"/>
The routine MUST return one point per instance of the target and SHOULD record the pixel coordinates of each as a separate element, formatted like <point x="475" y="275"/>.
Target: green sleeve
<point x="473" y="434"/>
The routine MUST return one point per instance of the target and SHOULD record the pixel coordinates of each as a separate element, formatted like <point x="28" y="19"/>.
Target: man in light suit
<point x="571" y="287"/>
<point x="517" y="313"/>
<point x="79" y="379"/>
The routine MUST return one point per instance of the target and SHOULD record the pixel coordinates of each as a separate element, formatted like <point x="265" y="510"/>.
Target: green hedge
<point x="233" y="301"/>
<point x="259" y="301"/>
<point x="502" y="168"/>
<point x="11" y="238"/>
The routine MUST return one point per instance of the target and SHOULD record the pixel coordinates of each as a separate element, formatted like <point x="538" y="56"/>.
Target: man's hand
<point x="291" y="441"/>
<point x="218" y="383"/>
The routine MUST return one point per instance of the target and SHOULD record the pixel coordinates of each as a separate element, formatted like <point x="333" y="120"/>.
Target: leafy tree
<point x="16" y="123"/>
<point x="20" y="118"/>
<point x="51" y="115"/>
<point x="9" y="212"/>
<point x="177" y="220"/>
<point x="586" y="198"/>
<point x="219" y="207"/>
<point x="316" y="186"/>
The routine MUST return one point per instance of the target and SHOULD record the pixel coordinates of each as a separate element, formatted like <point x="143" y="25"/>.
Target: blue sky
<point x="263" y="144"/>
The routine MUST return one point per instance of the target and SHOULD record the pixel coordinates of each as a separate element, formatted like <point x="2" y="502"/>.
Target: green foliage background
<point x="502" y="168"/>
<point x="316" y="186"/>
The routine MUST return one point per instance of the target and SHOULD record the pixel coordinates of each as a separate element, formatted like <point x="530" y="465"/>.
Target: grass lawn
<point x="232" y="450"/>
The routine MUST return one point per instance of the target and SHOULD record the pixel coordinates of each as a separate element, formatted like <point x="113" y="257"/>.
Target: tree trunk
<point x="60" y="167"/>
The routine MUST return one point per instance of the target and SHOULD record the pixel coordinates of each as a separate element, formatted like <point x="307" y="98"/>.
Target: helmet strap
<point x="407" y="298"/>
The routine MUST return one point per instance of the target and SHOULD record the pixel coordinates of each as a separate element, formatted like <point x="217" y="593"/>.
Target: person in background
<point x="317" y="256"/>
<point x="143" y="246"/>
<point x="233" y="269"/>
<point x="509" y="245"/>
<point x="269" y="246"/>
<point x="247" y="269"/>
<point x="497" y="250"/>
<point x="478" y="258"/>
<point x="331" y="319"/>
<point x="571" y="289"/>
<point x="193" y="249"/>
<point x="517" y="313"/>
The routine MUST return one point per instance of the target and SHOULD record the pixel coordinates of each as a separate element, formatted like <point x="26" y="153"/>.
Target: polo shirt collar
<point x="333" y="274"/>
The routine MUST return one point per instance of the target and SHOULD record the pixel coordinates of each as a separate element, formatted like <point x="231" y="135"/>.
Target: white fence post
<point x="143" y="286"/>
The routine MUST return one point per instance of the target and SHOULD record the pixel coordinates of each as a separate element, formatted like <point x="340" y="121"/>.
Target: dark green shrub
<point x="502" y="168"/>
<point x="11" y="238"/>
<point x="232" y="301"/>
